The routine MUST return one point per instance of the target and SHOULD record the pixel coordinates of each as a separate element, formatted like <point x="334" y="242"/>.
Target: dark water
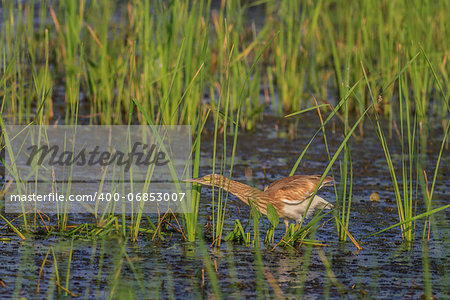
<point x="386" y="268"/>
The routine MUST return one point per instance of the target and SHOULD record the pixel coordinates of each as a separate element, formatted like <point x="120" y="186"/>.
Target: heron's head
<point x="210" y="180"/>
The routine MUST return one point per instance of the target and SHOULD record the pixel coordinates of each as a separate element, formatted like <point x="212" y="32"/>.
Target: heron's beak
<point x="197" y="180"/>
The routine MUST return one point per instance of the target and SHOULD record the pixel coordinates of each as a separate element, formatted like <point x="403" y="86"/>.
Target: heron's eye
<point x="207" y="178"/>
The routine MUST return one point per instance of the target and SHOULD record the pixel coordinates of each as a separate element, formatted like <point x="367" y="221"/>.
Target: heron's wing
<point x="295" y="189"/>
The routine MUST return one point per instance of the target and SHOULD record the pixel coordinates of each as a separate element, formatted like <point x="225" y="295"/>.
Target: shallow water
<point x="385" y="268"/>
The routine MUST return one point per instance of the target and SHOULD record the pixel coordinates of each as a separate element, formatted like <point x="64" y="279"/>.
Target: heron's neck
<point x="242" y="191"/>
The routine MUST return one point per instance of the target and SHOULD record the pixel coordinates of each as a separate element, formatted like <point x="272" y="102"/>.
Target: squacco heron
<point x="289" y="196"/>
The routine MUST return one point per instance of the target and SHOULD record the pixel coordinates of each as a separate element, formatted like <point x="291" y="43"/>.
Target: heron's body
<point x="289" y="196"/>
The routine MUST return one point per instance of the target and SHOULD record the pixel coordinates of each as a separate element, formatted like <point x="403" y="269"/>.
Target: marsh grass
<point x="405" y="200"/>
<point x="191" y="218"/>
<point x="412" y="156"/>
<point x="169" y="58"/>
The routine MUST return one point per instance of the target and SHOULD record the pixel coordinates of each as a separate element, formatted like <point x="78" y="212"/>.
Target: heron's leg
<point x="286" y="222"/>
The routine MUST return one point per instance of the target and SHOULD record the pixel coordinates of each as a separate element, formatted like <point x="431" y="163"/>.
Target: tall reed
<point x="158" y="48"/>
<point x="412" y="156"/>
